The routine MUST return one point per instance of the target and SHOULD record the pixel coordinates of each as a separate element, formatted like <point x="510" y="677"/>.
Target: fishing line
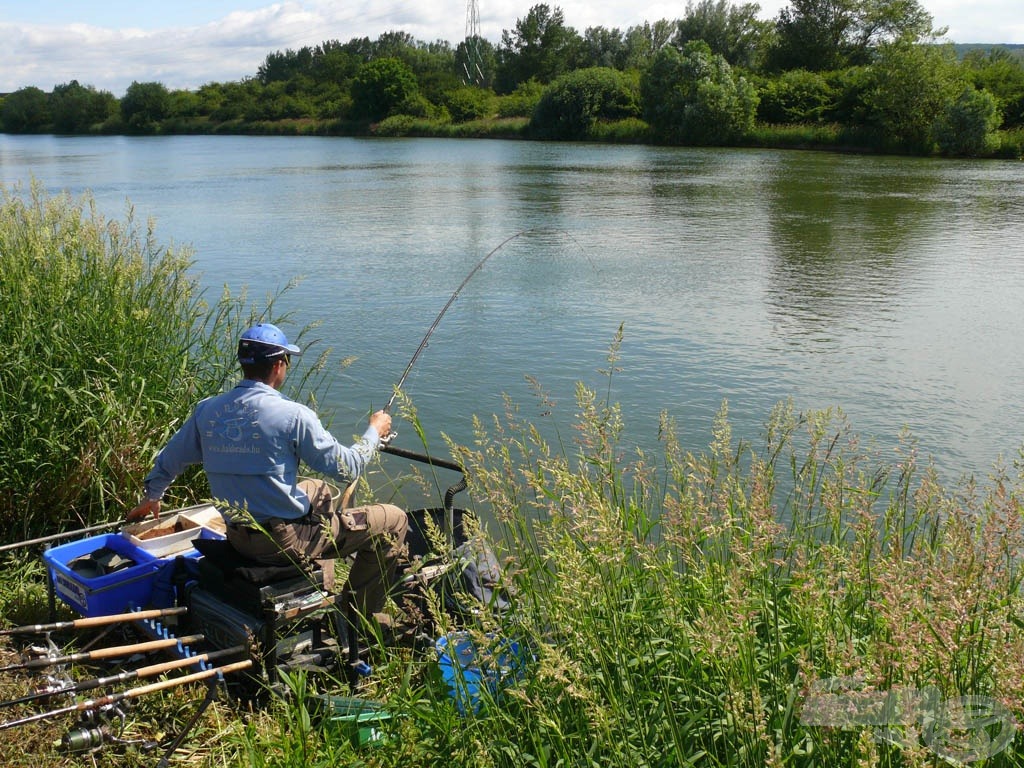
<point x="451" y="300"/>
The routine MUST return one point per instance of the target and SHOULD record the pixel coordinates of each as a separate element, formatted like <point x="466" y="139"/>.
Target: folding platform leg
<point x="270" y="643"/>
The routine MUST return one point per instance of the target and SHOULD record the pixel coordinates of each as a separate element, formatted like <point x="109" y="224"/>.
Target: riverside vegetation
<point x="678" y="609"/>
<point x="860" y="75"/>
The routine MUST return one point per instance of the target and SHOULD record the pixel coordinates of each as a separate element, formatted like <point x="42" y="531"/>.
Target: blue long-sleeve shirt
<point x="250" y="442"/>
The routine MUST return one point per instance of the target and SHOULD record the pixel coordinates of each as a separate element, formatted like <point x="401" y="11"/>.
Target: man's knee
<point x="387" y="518"/>
<point x="401" y="519"/>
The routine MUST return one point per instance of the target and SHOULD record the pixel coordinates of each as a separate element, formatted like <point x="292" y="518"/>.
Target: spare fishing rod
<point x="94" y="621"/>
<point x="51" y="691"/>
<point x="104" y="653"/>
<point x="131" y="693"/>
<point x="77" y="532"/>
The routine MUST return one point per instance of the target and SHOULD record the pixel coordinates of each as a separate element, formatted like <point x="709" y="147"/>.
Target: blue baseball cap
<point x="264" y="341"/>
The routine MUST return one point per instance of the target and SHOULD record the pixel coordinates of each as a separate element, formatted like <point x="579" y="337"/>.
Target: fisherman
<point x="251" y="441"/>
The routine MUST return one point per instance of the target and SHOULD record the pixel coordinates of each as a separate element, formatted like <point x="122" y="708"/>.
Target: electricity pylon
<point x="472" y="70"/>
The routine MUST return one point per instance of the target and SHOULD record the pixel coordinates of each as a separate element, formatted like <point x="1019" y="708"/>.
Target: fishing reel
<point x="38" y="651"/>
<point x="52" y="687"/>
<point x="100" y="727"/>
<point x="55" y="682"/>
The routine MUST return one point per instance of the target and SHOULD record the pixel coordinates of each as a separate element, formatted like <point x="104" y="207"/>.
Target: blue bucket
<point x="474" y="673"/>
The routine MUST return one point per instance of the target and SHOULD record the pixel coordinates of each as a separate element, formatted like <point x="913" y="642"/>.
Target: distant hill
<point x="1017" y="49"/>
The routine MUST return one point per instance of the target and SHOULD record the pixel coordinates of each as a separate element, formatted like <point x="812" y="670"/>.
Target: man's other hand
<point x="149" y="506"/>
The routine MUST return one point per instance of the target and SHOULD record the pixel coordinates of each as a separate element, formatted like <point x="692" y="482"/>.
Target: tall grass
<point x="108" y="341"/>
<point x="407" y="125"/>
<point x="686" y="609"/>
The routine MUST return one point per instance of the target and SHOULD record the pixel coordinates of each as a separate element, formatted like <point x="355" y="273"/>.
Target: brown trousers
<point x="375" y="534"/>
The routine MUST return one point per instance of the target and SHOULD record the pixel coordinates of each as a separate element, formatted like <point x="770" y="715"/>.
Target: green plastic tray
<point x="361" y="721"/>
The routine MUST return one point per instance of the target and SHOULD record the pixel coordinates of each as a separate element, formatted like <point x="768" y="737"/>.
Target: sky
<point x="184" y="44"/>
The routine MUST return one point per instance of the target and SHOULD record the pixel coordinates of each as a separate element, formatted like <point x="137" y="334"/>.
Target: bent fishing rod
<point x="386" y="439"/>
<point x="444" y="309"/>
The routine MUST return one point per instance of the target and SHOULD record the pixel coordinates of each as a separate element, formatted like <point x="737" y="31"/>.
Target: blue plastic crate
<point x="115" y="592"/>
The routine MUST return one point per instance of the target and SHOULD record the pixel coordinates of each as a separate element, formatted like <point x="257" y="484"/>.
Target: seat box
<point x="102" y="595"/>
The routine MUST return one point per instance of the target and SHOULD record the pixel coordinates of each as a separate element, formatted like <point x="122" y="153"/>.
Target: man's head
<point x="261" y="348"/>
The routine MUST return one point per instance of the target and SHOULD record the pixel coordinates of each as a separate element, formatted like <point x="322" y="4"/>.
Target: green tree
<point x="382" y="87"/>
<point x="693" y="97"/>
<point x="280" y="100"/>
<point x="796" y="96"/>
<point x="337" y="63"/>
<point x="886" y="21"/>
<point x="211" y="97"/>
<point x="332" y="100"/>
<point x="144" y="106"/>
<point x="730" y="30"/>
<point x="645" y="40"/>
<point x="394" y="44"/>
<point x="821" y="35"/>
<point x="185" y="104"/>
<point x="850" y="87"/>
<point x="362" y="48"/>
<point x="27" y="110"/>
<point x="280" y="66"/>
<point x="77" y="108"/>
<point x="541" y="47"/>
<point x="576" y="101"/>
<point x="1002" y="74"/>
<point x="603" y="47"/>
<point x="813" y="35"/>
<point x="231" y="101"/>
<point x="433" y="65"/>
<point x="522" y="101"/>
<point x="469" y="103"/>
<point x="908" y="88"/>
<point x="967" y="127"/>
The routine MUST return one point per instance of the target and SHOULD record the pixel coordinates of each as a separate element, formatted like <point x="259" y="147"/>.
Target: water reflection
<point x="842" y="233"/>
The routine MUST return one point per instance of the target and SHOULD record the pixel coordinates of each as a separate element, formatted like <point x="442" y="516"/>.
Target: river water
<point x="892" y="288"/>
